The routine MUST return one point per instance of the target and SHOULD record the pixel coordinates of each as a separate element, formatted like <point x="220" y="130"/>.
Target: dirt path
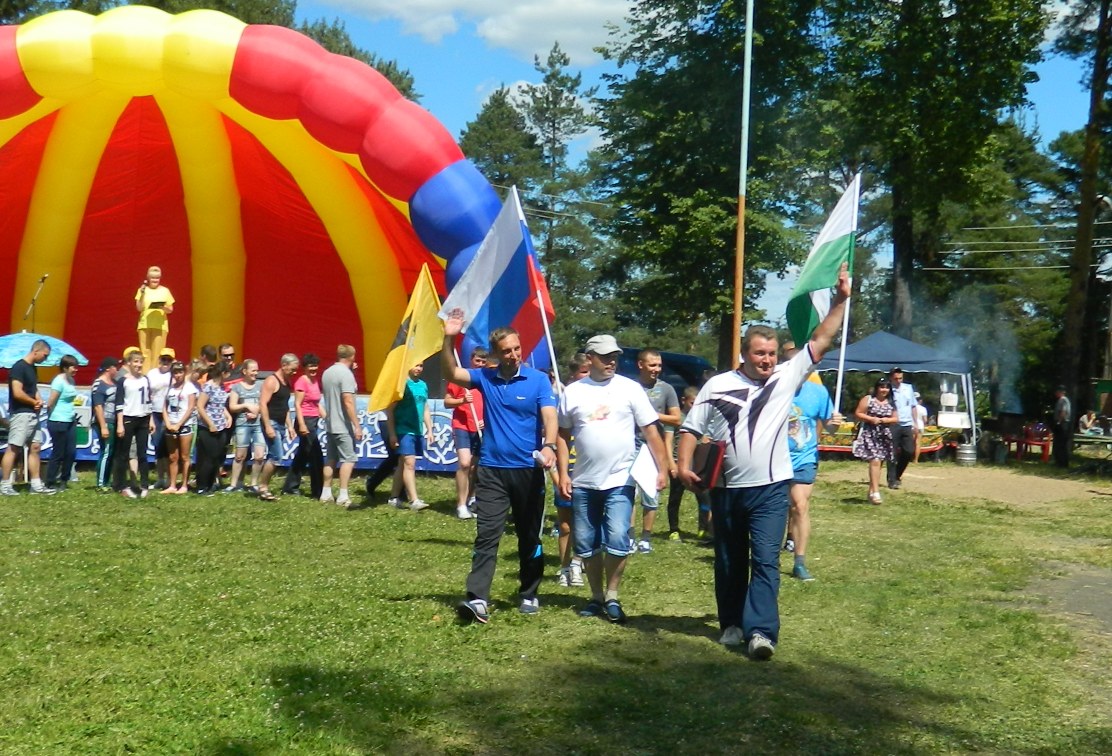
<point x="978" y="482"/>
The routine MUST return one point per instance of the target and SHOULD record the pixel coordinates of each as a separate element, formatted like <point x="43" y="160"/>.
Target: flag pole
<point x="551" y="349"/>
<point x="739" y="255"/>
<point x="845" y="315"/>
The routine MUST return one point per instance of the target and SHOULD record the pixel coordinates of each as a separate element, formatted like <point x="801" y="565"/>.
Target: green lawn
<point x="231" y="626"/>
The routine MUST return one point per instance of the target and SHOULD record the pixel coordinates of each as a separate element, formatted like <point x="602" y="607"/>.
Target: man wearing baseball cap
<point x="601" y="412"/>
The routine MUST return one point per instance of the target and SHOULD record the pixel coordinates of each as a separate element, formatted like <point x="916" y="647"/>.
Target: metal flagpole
<point x="551" y="349"/>
<point x="739" y="256"/>
<point x="845" y="315"/>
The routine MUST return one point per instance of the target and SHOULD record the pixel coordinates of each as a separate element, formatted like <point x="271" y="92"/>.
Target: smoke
<point x="969" y="326"/>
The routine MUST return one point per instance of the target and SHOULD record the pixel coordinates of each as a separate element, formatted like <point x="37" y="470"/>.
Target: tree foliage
<point x="671" y="122"/>
<point x="501" y="145"/>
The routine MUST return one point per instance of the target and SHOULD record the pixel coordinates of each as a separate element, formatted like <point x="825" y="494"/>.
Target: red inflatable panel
<point x="296" y="283"/>
<point x="19" y="164"/>
<point x="16" y="94"/>
<point x="342" y="101"/>
<point x="404" y="148"/>
<point x="273" y="65"/>
<point x="135" y="218"/>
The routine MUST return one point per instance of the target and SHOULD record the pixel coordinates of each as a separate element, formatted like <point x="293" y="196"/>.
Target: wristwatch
<point x="549" y="446"/>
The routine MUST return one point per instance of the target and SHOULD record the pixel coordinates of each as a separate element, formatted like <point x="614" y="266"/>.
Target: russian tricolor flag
<point x="503" y="286"/>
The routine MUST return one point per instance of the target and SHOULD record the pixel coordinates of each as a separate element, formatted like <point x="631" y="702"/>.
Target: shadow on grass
<point x="697" y="699"/>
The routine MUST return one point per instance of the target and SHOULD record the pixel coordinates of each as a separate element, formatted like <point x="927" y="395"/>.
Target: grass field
<point x="232" y="626"/>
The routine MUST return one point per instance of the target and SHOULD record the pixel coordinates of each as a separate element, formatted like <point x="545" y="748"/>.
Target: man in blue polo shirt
<point x="519" y="413"/>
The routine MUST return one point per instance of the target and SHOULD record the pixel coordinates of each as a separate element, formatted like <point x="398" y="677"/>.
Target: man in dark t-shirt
<point x="24" y="405"/>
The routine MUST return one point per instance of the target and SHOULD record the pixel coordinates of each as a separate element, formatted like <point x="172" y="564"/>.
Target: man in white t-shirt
<point x="601" y="412"/>
<point x="748" y="409"/>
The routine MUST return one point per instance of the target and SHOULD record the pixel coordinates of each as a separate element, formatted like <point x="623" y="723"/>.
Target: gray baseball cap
<point x="602" y="344"/>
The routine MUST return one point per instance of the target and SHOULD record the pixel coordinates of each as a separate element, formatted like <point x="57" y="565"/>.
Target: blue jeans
<point x="749" y="526"/>
<point x="601" y="520"/>
<point x="275" y="447"/>
<point x="63" y="439"/>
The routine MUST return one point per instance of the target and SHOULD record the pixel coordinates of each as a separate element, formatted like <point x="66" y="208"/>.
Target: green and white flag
<point x="810" y="299"/>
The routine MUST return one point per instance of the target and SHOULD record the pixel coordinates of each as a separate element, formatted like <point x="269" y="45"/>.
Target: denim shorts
<point x="465" y="439"/>
<point x="601" y="520"/>
<point x="276" y="447"/>
<point x="250" y="435"/>
<point x="411" y="445"/>
<point x="805" y="474"/>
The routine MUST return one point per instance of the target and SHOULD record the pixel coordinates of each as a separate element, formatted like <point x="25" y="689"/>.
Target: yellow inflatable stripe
<point x="363" y="249"/>
<point x="10" y="127"/>
<point x="212" y="203"/>
<point x="57" y="207"/>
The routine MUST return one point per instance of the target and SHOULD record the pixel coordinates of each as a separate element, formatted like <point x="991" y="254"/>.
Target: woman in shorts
<point x="177" y="417"/>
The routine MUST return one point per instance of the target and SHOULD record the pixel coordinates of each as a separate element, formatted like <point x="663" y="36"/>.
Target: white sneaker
<point x="344" y="502"/>
<point x="562" y="579"/>
<point x="575" y="573"/>
<point x="732" y="636"/>
<point x="128" y="493"/>
<point x="143" y="492"/>
<point x="464" y="513"/>
<point x="6" y="489"/>
<point x="326" y="498"/>
<point x="644" y="547"/>
<point x="760" y="647"/>
<point x="42" y="489"/>
<point x="395" y="502"/>
<point x="417" y="505"/>
<point x="471" y="503"/>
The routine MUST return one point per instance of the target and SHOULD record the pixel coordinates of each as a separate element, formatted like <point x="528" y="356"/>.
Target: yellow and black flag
<point x="420" y="336"/>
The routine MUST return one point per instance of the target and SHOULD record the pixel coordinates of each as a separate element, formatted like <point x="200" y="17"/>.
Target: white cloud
<point x="524" y="28"/>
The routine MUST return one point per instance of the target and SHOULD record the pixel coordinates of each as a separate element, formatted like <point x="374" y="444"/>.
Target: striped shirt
<point x="752" y="417"/>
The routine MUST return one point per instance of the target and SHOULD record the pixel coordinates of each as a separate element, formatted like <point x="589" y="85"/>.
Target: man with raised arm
<point x="748" y="409"/>
<point x="519" y="443"/>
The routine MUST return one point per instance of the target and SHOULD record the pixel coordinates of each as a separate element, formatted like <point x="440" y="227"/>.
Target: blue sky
<point x="459" y="51"/>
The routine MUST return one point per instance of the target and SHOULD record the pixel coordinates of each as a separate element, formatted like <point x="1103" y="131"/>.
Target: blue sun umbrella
<point x="15" y="346"/>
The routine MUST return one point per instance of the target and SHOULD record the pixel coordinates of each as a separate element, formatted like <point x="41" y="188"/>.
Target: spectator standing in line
<point x="244" y="398"/>
<point x="24" y="405"/>
<point x="277" y="423"/>
<point x="133" y="424"/>
<point x="341" y="422"/>
<point x="518" y="446"/>
<point x="159" y="378"/>
<point x="903" y="431"/>
<point x="178" y="417"/>
<point x="103" y="398"/>
<point x="467" y="426"/>
<point x="154" y="303"/>
<point x="62" y="423"/>
<point x="748" y="409"/>
<point x="602" y="412"/>
<point x="409" y="433"/>
<point x="1063" y="427"/>
<point x="307" y="416"/>
<point x="213" y="421"/>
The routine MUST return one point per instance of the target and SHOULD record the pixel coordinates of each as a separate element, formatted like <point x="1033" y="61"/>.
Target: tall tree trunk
<point x="903" y="251"/>
<point x="1075" y="334"/>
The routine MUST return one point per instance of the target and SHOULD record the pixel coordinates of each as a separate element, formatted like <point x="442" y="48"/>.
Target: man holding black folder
<point x="748" y="409"/>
